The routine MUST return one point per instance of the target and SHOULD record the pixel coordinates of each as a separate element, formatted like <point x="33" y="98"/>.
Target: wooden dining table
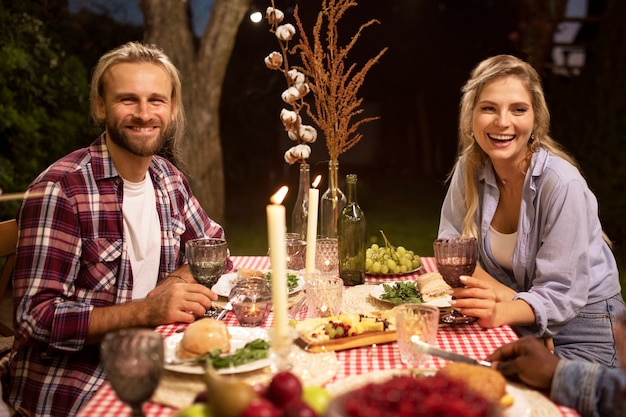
<point x="470" y="340"/>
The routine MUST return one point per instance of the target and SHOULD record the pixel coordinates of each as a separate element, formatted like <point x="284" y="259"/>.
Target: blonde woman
<point x="545" y="267"/>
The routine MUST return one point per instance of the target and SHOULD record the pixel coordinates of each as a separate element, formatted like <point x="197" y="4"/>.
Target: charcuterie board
<point x="343" y="343"/>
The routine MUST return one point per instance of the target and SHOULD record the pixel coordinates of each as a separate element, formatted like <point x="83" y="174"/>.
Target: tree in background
<point x="202" y="64"/>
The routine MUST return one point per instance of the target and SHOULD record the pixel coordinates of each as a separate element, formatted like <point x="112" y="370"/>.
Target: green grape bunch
<point x="389" y="259"/>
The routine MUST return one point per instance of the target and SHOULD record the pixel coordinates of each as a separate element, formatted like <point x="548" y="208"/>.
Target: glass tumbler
<point x="296" y="251"/>
<point x="415" y="319"/>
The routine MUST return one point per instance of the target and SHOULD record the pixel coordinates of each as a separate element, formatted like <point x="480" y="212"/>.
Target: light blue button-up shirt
<point x="561" y="262"/>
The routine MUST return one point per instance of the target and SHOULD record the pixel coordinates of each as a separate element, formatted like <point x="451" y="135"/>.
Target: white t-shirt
<point x="502" y="246"/>
<point x="142" y="232"/>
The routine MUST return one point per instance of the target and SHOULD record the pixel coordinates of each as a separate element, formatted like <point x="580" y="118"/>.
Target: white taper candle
<point x="276" y="230"/>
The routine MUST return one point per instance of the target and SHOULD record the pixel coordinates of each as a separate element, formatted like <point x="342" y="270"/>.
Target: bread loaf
<point x="249" y="272"/>
<point x="484" y="381"/>
<point x="203" y="336"/>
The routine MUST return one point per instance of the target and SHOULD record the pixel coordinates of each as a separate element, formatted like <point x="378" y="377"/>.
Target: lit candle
<point x="311" y="230"/>
<point x="276" y="230"/>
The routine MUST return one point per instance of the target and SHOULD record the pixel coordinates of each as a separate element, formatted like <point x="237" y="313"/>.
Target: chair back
<point x="8" y="243"/>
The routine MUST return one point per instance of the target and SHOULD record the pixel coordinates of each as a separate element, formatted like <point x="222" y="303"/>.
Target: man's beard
<point x="120" y="138"/>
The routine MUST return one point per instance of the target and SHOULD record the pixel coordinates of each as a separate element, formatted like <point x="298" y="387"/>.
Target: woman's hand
<point x="479" y="299"/>
<point x="476" y="299"/>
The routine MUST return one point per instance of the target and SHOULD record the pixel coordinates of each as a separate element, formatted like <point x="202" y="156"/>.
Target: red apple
<point x="283" y="388"/>
<point x="261" y="407"/>
<point x="298" y="408"/>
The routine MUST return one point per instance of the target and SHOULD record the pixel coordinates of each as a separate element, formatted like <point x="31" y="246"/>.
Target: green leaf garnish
<point x="401" y="292"/>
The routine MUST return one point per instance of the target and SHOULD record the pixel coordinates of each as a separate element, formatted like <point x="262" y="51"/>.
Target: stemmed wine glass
<point x="456" y="257"/>
<point x="133" y="362"/>
<point x="207" y="259"/>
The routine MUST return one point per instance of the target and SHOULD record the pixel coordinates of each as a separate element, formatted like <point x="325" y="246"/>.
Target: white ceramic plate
<point x="380" y="275"/>
<point x="379" y="290"/>
<point x="227" y="281"/>
<point x="239" y="337"/>
<point x="521" y="406"/>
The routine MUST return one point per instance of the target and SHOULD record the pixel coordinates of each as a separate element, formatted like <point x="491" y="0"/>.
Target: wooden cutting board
<point x="343" y="343"/>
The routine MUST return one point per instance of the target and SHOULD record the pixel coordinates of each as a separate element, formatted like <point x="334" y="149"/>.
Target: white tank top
<point x="142" y="232"/>
<point x="501" y="246"/>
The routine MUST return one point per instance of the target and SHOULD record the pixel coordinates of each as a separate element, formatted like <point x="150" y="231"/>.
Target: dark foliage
<point x="588" y="118"/>
<point x="44" y="109"/>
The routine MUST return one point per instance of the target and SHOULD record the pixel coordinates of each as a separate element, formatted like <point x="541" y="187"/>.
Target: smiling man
<point x="101" y="245"/>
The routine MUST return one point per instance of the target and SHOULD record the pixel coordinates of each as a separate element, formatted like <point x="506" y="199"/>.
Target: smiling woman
<point x="544" y="263"/>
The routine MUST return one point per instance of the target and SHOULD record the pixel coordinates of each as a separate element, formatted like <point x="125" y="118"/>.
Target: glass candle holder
<point x="251" y="298"/>
<point x="327" y="255"/>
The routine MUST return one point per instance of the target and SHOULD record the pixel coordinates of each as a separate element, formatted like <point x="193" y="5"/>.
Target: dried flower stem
<point x="334" y="86"/>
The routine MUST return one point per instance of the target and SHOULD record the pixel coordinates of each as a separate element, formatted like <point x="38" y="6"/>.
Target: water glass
<point x="415" y="319"/>
<point x="327" y="255"/>
<point x="207" y="259"/>
<point x="324" y="295"/>
<point x="296" y="251"/>
<point x="133" y="362"/>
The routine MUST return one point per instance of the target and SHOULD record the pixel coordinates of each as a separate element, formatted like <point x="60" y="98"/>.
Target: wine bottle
<point x="352" y="231"/>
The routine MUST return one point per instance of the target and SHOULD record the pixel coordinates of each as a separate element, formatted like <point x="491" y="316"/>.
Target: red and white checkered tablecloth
<point x="469" y="340"/>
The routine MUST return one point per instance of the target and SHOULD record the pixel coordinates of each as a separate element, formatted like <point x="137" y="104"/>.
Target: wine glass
<point x="133" y="362"/>
<point x="456" y="257"/>
<point x="207" y="259"/>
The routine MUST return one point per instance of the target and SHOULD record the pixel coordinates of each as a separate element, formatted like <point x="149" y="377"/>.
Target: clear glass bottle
<point x="300" y="213"/>
<point x="332" y="202"/>
<point x="352" y="237"/>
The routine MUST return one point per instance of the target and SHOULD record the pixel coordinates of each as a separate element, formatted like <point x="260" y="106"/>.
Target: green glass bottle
<point x="352" y="233"/>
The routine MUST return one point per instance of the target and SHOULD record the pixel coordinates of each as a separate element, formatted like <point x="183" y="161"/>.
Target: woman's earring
<point x="532" y="137"/>
<point x="472" y="134"/>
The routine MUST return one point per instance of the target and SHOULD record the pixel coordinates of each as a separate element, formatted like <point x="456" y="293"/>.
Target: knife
<point x="228" y="307"/>
<point x="451" y="356"/>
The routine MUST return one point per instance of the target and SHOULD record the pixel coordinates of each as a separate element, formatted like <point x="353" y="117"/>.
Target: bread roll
<point x="486" y="382"/>
<point x="248" y="272"/>
<point x="203" y="336"/>
<point x="432" y="286"/>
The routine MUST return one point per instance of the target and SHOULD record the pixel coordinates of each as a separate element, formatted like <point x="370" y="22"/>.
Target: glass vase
<point x="300" y="213"/>
<point x="332" y="202"/>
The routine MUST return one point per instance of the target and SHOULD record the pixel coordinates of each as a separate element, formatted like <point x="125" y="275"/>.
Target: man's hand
<point x="528" y="359"/>
<point x="178" y="301"/>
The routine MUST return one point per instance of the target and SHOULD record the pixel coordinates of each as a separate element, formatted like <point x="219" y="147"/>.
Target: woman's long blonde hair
<point x="485" y="72"/>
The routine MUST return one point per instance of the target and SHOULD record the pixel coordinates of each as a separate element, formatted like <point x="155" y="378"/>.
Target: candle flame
<point x="317" y="181"/>
<point x="279" y="196"/>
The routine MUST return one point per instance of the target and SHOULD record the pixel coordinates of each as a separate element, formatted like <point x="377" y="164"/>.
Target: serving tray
<point x="343" y="343"/>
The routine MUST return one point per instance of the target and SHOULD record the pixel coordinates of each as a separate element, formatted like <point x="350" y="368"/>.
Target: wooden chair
<point x="8" y="242"/>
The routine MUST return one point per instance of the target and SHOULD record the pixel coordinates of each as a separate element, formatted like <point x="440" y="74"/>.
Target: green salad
<point x="292" y="280"/>
<point x="251" y="352"/>
<point x="401" y="293"/>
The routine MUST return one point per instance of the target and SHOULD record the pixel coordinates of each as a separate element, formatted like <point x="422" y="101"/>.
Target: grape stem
<point x="388" y="244"/>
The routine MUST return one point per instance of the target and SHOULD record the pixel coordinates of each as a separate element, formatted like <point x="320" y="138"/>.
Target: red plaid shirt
<point x="72" y="257"/>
